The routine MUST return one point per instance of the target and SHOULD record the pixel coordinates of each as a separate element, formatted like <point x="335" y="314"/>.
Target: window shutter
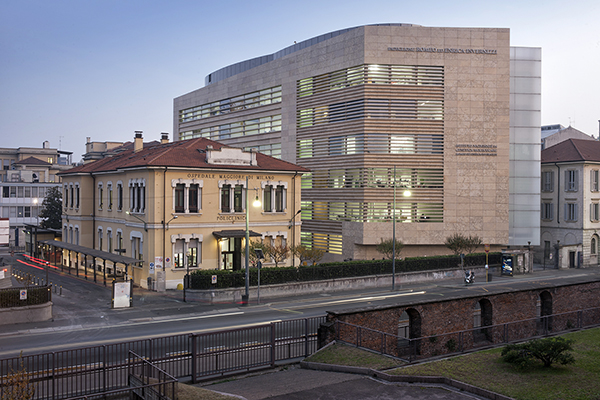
<point x="575" y="182"/>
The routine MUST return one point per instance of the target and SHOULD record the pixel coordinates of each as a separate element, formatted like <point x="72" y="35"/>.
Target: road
<point x="83" y="315"/>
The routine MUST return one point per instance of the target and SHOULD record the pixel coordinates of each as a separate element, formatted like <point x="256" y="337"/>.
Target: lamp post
<point x="406" y="193"/>
<point x="256" y="203"/>
<point x="293" y="228"/>
<point x="37" y="219"/>
<point x="186" y="279"/>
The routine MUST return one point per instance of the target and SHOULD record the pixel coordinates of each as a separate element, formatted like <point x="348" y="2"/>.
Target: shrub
<point x="548" y="351"/>
<point x="386" y="247"/>
<point x="451" y="345"/>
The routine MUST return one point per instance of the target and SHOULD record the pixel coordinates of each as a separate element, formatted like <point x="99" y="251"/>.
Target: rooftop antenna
<point x="60" y="142"/>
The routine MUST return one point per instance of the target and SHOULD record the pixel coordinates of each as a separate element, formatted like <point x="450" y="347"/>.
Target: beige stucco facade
<point x="134" y="212"/>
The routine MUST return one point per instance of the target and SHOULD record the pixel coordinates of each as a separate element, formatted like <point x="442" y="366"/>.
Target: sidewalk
<point x="85" y="303"/>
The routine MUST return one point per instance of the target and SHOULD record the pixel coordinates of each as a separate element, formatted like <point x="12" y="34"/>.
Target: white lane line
<point x="372" y="298"/>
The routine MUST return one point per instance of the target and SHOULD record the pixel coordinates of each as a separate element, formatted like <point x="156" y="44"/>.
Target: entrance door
<point x="571" y="259"/>
<point x="231" y="253"/>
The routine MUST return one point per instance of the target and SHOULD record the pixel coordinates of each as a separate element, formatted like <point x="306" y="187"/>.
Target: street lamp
<point x="37" y="219"/>
<point x="406" y="193"/>
<point x="292" y="226"/>
<point x="256" y="203"/>
<point x="135" y="216"/>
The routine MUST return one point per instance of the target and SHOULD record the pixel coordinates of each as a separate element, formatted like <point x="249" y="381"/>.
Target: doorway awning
<point x="234" y="233"/>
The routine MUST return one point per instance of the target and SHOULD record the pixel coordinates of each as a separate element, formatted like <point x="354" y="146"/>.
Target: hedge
<point x="202" y="279"/>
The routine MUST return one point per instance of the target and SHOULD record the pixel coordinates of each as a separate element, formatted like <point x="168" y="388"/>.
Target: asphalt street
<point x="82" y="316"/>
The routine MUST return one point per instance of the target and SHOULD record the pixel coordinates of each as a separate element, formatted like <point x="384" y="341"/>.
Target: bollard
<point x="61" y="290"/>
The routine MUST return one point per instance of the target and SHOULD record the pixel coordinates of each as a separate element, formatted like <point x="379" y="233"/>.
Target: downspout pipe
<point x="558" y="194"/>
<point x="93" y="210"/>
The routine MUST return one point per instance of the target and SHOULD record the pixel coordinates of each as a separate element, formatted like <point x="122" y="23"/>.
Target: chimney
<point x="164" y="138"/>
<point x="138" y="142"/>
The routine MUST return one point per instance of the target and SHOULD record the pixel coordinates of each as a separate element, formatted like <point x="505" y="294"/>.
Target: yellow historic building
<point x="179" y="207"/>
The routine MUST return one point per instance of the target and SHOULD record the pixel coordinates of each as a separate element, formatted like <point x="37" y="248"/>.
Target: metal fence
<point x="413" y="349"/>
<point x="90" y="371"/>
<point x="27" y="296"/>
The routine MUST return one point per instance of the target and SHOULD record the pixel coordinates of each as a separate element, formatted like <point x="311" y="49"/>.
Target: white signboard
<point x="151" y="268"/>
<point x="23" y="294"/>
<point x="158" y="263"/>
<point x="122" y="292"/>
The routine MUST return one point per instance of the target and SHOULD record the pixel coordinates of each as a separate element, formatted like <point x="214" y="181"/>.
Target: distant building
<point x="26" y="175"/>
<point x="99" y="150"/>
<point x="453" y="112"/>
<point x="554" y="134"/>
<point x="179" y="206"/>
<point x="570" y="209"/>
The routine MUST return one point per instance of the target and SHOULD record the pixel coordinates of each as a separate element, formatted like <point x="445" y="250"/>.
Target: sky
<point x="72" y="69"/>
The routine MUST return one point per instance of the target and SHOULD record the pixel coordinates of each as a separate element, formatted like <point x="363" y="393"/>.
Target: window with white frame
<point x="571" y="212"/>
<point x="120" y="196"/>
<point x="547" y="210"/>
<point x="595" y="212"/>
<point x="137" y="250"/>
<point x="187" y="195"/>
<point x="65" y="195"/>
<point x="594" y="245"/>
<point x="178" y="252"/>
<point x="274" y="196"/>
<point x="76" y="233"/>
<point x="109" y="242"/>
<point x="594" y="180"/>
<point x="137" y="195"/>
<point x="77" y="195"/>
<point x="232" y="197"/>
<point x="547" y="181"/>
<point x="109" y="195"/>
<point x="187" y="248"/>
<point x="100" y="239"/>
<point x="194" y="253"/>
<point x="120" y="240"/>
<point x="71" y="195"/>
<point x="571" y="180"/>
<point x="100" y="195"/>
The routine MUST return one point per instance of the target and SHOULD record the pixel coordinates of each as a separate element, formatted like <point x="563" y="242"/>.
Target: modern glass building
<point x="437" y="129"/>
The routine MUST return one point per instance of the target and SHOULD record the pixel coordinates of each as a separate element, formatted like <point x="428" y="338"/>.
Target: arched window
<point x="594" y="246"/>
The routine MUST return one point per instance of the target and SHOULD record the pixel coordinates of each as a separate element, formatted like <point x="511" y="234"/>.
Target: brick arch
<point x="482" y="316"/>
<point x="409" y="327"/>
<point x="545" y="311"/>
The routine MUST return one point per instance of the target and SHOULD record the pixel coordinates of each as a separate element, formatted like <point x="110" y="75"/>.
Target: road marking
<point x="353" y="300"/>
<point x="156" y="321"/>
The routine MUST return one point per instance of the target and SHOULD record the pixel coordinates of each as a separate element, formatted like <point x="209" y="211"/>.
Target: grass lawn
<point x="342" y="354"/>
<point x="485" y="369"/>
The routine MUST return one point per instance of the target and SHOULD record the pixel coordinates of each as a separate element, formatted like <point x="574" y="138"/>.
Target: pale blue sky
<point x="70" y="69"/>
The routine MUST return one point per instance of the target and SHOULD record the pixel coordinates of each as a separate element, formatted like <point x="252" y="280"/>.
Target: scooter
<point x="469" y="277"/>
